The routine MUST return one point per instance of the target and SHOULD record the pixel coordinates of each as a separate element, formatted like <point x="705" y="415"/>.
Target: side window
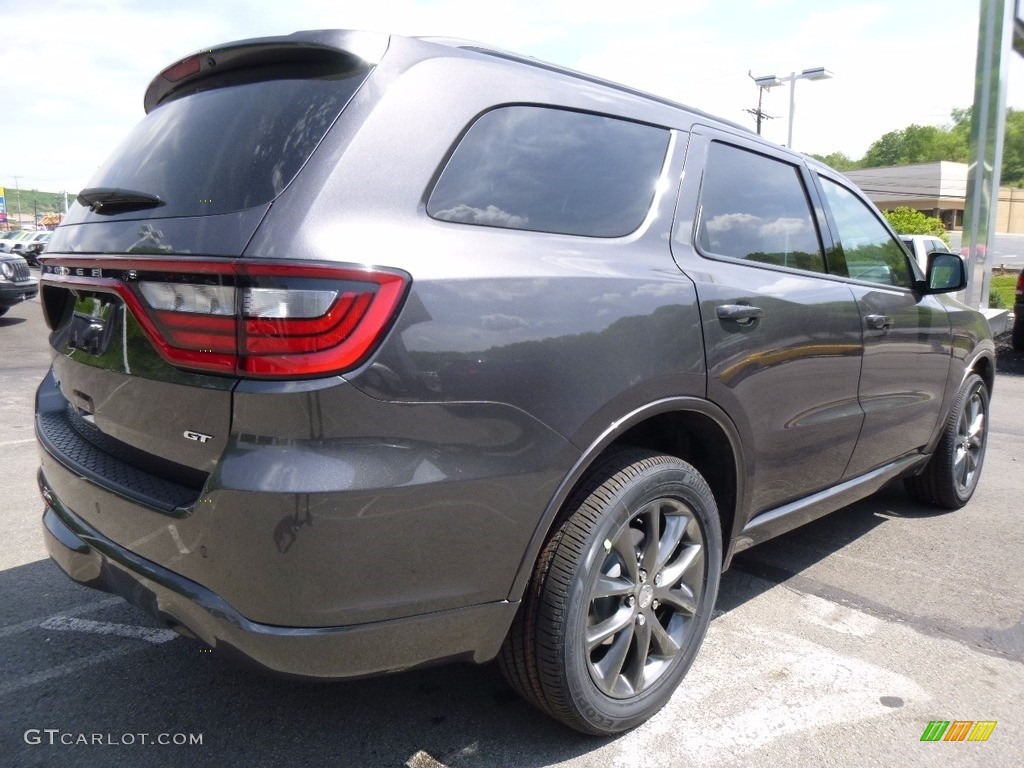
<point x="551" y="170"/>
<point x="756" y="208"/>
<point x="871" y="253"/>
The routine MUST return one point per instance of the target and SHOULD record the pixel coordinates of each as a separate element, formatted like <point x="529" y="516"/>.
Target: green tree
<point x="1012" y="172"/>
<point x="838" y="160"/>
<point x="907" y="221"/>
<point x="916" y="144"/>
<point x="962" y="121"/>
<point x="1013" y="150"/>
<point x="928" y="143"/>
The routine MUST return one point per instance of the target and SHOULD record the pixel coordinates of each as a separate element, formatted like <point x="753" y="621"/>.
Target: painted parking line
<point x="27" y="681"/>
<point x="149" y="634"/>
<point x="67" y="621"/>
<point x="756" y="685"/>
<point x="17" y="442"/>
<point x="424" y="759"/>
<point x="30" y="624"/>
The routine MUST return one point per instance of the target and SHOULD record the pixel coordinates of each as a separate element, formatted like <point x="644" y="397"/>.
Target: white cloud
<point x="78" y="72"/>
<point x="785" y="227"/>
<point x="492" y="216"/>
<point x="503" y="323"/>
<point x="728" y="221"/>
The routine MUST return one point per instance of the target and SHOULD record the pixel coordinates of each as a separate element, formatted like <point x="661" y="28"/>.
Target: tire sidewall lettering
<point x="591" y="703"/>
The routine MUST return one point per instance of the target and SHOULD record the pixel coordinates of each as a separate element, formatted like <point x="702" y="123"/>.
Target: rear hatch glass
<point x="229" y="142"/>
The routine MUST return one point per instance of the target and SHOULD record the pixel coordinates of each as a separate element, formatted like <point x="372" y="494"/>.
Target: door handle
<point x="741" y="314"/>
<point x="878" y="322"/>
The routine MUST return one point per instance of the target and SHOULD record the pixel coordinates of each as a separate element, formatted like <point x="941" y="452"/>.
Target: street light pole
<point x="792" y="109"/>
<point x="770" y="81"/>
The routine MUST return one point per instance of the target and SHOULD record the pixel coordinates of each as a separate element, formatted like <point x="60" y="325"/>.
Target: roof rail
<point x="531" y="61"/>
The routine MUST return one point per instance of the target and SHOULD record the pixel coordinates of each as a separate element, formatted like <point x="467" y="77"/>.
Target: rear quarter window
<point x="552" y="170"/>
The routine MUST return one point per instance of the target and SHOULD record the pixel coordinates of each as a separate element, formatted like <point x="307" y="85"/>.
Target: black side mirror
<point x="946" y="274"/>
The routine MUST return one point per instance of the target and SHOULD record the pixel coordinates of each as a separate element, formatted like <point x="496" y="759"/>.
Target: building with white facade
<point x="937" y="189"/>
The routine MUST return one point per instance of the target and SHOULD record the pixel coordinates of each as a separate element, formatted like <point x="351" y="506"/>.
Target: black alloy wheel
<point x="951" y="475"/>
<point x="622" y="595"/>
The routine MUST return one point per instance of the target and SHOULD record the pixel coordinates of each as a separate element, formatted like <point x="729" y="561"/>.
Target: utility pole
<point x="17" y="188"/>
<point x="758" y="113"/>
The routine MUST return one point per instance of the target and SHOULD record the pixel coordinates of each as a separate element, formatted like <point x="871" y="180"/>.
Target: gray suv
<point x="372" y="352"/>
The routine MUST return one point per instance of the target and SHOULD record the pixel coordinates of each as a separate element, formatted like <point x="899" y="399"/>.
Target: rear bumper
<point x="473" y="633"/>
<point x="333" y="529"/>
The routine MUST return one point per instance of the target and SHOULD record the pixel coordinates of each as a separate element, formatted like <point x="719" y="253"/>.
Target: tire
<point x="951" y="475"/>
<point x="1017" y="337"/>
<point x="621" y="595"/>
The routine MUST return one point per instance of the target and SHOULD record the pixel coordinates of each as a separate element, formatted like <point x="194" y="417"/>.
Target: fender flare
<point x="970" y="364"/>
<point x="615" y="430"/>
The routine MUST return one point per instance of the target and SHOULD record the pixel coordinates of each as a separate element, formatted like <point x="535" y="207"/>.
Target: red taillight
<point x="197" y="332"/>
<point x="247" y="318"/>
<point x="1020" y="286"/>
<point x="282" y="336"/>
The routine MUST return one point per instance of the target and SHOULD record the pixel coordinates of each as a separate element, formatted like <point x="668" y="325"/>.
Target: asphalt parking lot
<point x="834" y="645"/>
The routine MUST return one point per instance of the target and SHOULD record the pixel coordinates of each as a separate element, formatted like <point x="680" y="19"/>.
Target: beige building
<point x="937" y="189"/>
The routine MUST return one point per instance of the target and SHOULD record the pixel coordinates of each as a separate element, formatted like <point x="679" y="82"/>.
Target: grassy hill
<point x="35" y="201"/>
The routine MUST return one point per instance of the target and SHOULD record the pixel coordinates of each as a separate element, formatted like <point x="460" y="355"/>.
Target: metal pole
<point x="792" y="107"/>
<point x="988" y="125"/>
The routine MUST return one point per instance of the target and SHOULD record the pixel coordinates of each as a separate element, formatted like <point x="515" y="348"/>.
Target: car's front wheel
<point x="621" y="595"/>
<point x="951" y="475"/>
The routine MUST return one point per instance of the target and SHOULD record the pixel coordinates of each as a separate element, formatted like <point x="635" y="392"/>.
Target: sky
<point x="75" y="72"/>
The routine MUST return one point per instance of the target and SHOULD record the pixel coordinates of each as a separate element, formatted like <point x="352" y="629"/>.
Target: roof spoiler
<point x="355" y="49"/>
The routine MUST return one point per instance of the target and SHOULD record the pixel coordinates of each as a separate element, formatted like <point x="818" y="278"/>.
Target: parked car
<point x="519" y="391"/>
<point x="16" y="282"/>
<point x="1018" y="315"/>
<point x="8" y="239"/>
<point x="921" y="245"/>
<point x="25" y="246"/>
<point x="35" y="247"/>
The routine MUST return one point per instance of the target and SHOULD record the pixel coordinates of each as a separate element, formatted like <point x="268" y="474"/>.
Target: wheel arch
<point x="691" y="429"/>
<point x="984" y="366"/>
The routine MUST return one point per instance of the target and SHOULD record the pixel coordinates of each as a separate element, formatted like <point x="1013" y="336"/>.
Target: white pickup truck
<point x="921" y="245"/>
